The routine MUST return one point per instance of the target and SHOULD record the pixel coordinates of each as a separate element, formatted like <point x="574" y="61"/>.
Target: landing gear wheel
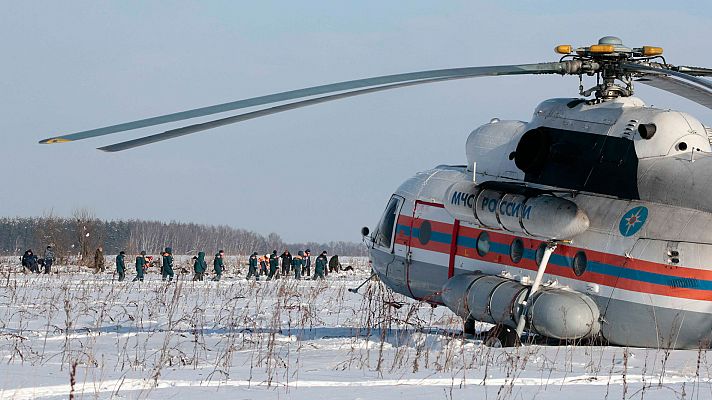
<point x="469" y="326"/>
<point x="501" y="336"/>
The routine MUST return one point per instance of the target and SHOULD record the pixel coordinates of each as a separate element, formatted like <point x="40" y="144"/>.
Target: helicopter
<point x="591" y="221"/>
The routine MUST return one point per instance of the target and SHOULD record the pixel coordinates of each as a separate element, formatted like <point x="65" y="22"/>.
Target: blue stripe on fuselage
<point x="564" y="261"/>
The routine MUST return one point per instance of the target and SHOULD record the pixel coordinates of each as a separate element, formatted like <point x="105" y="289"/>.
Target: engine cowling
<point x="535" y="213"/>
<point x="558" y="313"/>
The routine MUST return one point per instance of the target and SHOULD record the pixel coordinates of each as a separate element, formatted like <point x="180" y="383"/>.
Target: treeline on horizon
<point x="80" y="235"/>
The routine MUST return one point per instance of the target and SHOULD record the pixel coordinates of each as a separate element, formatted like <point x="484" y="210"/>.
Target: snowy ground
<point x="284" y="339"/>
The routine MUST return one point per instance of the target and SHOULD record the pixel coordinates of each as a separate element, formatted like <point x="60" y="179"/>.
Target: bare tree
<point x="89" y="236"/>
<point x="81" y="234"/>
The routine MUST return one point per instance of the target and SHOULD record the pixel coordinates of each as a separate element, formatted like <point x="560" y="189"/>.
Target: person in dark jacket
<point x="48" y="259"/>
<point x="219" y="265"/>
<point x="320" y="266"/>
<point x="167" y="264"/>
<point x="252" y="271"/>
<point x="35" y="263"/>
<point x="29" y="261"/>
<point x="200" y="266"/>
<point x="286" y="262"/>
<point x="99" y="260"/>
<point x="121" y="265"/>
<point x="273" y="265"/>
<point x="297" y="263"/>
<point x="140" y="265"/>
<point x="306" y="269"/>
<point x="334" y="264"/>
<point x="24" y="259"/>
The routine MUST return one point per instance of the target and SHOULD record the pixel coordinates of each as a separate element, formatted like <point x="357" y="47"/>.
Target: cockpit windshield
<point x="384" y="231"/>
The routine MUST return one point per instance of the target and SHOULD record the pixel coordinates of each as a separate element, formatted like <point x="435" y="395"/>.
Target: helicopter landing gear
<point x="501" y="336"/>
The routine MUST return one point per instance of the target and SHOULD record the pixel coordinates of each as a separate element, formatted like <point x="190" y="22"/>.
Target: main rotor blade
<point x="672" y="80"/>
<point x="696" y="71"/>
<point x="681" y="88"/>
<point x="660" y="70"/>
<point x="174" y="133"/>
<point x="690" y="70"/>
<point x="521" y="69"/>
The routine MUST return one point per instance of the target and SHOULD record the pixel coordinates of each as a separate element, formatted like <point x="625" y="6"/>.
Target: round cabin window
<point x="425" y="232"/>
<point x="580" y="263"/>
<point x="483" y="244"/>
<point x="516" y="250"/>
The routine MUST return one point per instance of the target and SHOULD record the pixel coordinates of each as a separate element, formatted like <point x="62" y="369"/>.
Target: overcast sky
<point x="317" y="173"/>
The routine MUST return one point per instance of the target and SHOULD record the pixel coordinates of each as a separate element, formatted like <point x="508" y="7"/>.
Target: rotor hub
<point x="614" y="40"/>
<point x="605" y="60"/>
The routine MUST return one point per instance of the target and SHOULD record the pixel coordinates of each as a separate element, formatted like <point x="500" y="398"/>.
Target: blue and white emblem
<point x="633" y="220"/>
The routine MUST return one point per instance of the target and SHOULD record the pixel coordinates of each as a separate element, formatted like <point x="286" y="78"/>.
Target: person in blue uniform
<point x="200" y="266"/>
<point x="297" y="263"/>
<point x="320" y="267"/>
<point x="121" y="265"/>
<point x="140" y="264"/>
<point x="167" y="264"/>
<point x="273" y="266"/>
<point x="219" y="265"/>
<point x="252" y="271"/>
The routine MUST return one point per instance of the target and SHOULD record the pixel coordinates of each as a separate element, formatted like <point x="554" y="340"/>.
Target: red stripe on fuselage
<point x="593" y="255"/>
<point x="562" y="271"/>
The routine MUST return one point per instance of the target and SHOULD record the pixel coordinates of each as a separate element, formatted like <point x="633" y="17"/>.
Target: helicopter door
<point x="391" y="239"/>
<point x="429" y="248"/>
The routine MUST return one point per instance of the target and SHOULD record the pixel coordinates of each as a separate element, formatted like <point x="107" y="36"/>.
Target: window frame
<point x="425" y="235"/>
<point x="377" y="236"/>
<point x="578" y="256"/>
<point x="486" y="236"/>
<point x="521" y="250"/>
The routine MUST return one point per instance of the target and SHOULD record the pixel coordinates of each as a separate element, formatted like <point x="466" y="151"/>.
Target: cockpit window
<point x="384" y="232"/>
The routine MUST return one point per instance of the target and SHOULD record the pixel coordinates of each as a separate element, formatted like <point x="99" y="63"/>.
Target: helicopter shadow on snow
<point x="428" y="337"/>
<point x="396" y="337"/>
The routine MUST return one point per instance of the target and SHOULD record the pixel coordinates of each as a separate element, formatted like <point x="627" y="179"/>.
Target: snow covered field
<point x="88" y="335"/>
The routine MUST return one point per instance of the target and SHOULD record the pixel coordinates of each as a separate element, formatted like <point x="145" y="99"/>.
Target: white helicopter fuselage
<point x="636" y="237"/>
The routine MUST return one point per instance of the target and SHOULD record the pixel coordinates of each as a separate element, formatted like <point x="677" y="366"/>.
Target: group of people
<point x="299" y="265"/>
<point x="143" y="262"/>
<point x="272" y="266"/>
<point x="31" y="262"/>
